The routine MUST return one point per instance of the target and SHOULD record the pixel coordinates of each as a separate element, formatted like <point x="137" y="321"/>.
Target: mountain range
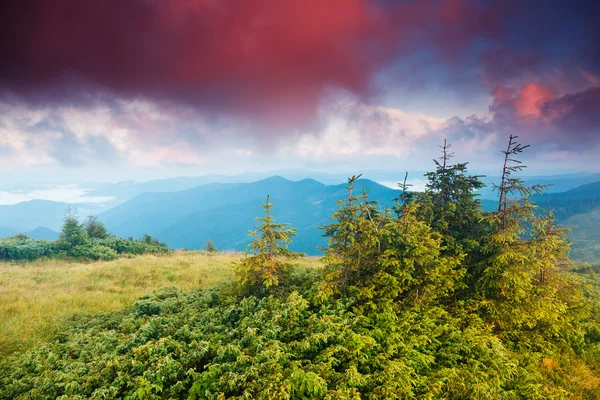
<point x="185" y="213"/>
<point x="225" y="212"/>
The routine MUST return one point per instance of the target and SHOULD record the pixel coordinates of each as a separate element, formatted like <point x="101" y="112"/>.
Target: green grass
<point x="37" y="297"/>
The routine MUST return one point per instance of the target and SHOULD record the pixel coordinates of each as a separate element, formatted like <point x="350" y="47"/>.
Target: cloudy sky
<point x="139" y="89"/>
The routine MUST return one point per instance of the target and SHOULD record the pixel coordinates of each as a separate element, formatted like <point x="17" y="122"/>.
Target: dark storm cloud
<point x="503" y="64"/>
<point x="541" y="117"/>
<point x="576" y="118"/>
<point x="231" y="71"/>
<point x="267" y="58"/>
<point x="245" y="56"/>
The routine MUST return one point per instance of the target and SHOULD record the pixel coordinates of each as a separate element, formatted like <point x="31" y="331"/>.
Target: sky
<point x="144" y="89"/>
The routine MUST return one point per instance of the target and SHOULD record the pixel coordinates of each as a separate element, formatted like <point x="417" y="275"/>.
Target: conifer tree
<point x="453" y="208"/>
<point x="95" y="229"/>
<point x="269" y="261"/>
<point x="72" y="232"/>
<point x="353" y="238"/>
<point x="526" y="253"/>
<point x="404" y="198"/>
<point x="379" y="259"/>
<point x="210" y="246"/>
<point x="450" y="206"/>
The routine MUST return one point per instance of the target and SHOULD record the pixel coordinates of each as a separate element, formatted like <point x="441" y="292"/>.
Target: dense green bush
<point x="208" y="345"/>
<point x="84" y="241"/>
<point x="94" y="228"/>
<point x="21" y="247"/>
<point x="129" y="246"/>
<point x="94" y="252"/>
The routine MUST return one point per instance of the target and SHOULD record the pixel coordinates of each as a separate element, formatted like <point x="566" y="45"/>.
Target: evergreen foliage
<point x="452" y="205"/>
<point x="72" y="233"/>
<point x="83" y="241"/>
<point x="210" y="246"/>
<point x="434" y="299"/>
<point x="147" y="239"/>
<point x="525" y="252"/>
<point x="269" y="262"/>
<point x="21" y="247"/>
<point x="95" y="229"/>
<point x="378" y="259"/>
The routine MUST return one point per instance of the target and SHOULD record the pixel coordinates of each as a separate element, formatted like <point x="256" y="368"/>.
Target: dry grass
<point x="36" y="297"/>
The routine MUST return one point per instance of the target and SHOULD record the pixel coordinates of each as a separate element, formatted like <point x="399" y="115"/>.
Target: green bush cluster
<point x="431" y="300"/>
<point x="93" y="252"/>
<point x="83" y="241"/>
<point x="208" y="345"/>
<point x="130" y="246"/>
<point x="21" y="247"/>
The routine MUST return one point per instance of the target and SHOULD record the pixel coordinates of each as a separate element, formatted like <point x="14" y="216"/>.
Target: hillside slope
<point x="585" y="235"/>
<point x="579" y="210"/>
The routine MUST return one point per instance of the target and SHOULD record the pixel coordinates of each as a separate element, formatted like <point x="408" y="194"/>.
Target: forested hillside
<point x="578" y="209"/>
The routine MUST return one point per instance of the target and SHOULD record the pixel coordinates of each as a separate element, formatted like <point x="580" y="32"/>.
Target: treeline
<point x="88" y="240"/>
<point x="430" y="299"/>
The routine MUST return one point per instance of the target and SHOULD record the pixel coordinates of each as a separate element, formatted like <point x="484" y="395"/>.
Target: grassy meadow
<point x="37" y="297"/>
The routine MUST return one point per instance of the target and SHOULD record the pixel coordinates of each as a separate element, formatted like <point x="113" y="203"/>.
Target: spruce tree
<point x="95" y="229"/>
<point x="269" y="262"/>
<point x="522" y="283"/>
<point x="379" y="259"/>
<point x="210" y="246"/>
<point x="72" y="233"/>
<point x="451" y="205"/>
<point x="404" y="198"/>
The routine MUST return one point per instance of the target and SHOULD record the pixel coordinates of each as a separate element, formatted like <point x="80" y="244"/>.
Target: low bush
<point x="94" y="252"/>
<point x="129" y="246"/>
<point x="21" y="247"/>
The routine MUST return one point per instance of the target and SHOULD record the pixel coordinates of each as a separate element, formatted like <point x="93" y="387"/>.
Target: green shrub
<point x="210" y="246"/>
<point x="94" y="228"/>
<point x="205" y="345"/>
<point x="128" y="246"/>
<point x="94" y="252"/>
<point x="21" y="247"/>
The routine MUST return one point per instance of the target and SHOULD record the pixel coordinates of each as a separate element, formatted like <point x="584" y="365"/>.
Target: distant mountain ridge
<point x="126" y="190"/>
<point x="39" y="233"/>
<point x="225" y="212"/>
<point x="579" y="200"/>
<point x="579" y="210"/>
<point x="33" y="214"/>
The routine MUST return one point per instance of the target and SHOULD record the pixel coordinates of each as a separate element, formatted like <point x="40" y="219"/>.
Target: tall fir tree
<point x="94" y="228"/>
<point x="72" y="232"/>
<point x="454" y="209"/>
<point x="270" y="260"/>
<point x="380" y="260"/>
<point x="522" y="282"/>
